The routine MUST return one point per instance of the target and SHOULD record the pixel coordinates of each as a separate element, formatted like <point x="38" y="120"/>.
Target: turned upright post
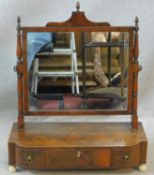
<point x="19" y="70"/>
<point x="135" y="75"/>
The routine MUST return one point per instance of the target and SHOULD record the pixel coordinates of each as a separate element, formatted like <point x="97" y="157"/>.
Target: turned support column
<point x="19" y="69"/>
<point x="136" y="69"/>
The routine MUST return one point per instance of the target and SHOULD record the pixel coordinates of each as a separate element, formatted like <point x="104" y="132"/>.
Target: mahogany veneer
<point x="88" y="146"/>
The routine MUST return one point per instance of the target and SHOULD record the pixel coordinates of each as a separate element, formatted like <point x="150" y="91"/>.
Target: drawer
<point x="77" y="158"/>
<point x="125" y="157"/>
<point x="30" y="158"/>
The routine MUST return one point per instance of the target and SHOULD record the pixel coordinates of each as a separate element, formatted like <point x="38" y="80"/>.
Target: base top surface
<point x="76" y="135"/>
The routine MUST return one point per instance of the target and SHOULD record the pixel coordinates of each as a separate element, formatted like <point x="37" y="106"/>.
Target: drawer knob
<point x="78" y="154"/>
<point x="29" y="159"/>
<point x="126" y="157"/>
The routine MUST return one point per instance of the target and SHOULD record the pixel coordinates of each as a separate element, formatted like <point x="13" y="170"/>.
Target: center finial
<point x="78" y="6"/>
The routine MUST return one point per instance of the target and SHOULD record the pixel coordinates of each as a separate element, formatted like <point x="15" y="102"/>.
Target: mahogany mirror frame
<point x="77" y="23"/>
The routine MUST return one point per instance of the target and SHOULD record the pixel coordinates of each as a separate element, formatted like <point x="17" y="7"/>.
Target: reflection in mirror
<point x="78" y="71"/>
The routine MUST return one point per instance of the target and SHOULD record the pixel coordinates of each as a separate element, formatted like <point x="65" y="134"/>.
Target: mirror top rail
<point x="78" y="29"/>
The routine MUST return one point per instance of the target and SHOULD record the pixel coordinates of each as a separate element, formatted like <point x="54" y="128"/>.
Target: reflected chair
<point x="49" y="50"/>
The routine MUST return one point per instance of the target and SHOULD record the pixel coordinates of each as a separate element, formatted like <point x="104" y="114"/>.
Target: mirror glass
<point x="78" y="70"/>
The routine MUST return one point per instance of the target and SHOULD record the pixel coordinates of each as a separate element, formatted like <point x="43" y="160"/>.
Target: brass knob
<point x="126" y="157"/>
<point x="78" y="154"/>
<point x="29" y="159"/>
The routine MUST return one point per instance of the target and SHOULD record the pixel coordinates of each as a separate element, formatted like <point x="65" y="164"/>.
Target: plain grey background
<point x="37" y="13"/>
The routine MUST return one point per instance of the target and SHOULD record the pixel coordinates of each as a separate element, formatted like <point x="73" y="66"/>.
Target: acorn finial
<point x="78" y="6"/>
<point x="136" y="23"/>
<point x="18" y="24"/>
<point x="18" y="20"/>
